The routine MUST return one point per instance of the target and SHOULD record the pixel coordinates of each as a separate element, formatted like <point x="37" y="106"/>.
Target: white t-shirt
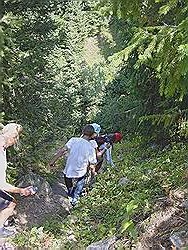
<point x="3" y="166"/>
<point x="81" y="154"/>
<point x="94" y="144"/>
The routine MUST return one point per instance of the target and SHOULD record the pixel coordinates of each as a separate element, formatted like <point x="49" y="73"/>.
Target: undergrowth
<point x="122" y="196"/>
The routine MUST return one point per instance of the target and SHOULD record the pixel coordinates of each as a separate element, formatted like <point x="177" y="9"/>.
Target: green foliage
<point x="48" y="86"/>
<point x="73" y="65"/>
<point x="51" y="235"/>
<point x="121" y="63"/>
<point x="37" y="238"/>
<point x="150" y="67"/>
<point x="164" y="49"/>
<point x="113" y="206"/>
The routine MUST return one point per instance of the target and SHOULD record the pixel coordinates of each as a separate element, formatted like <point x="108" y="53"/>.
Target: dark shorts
<point x="5" y="199"/>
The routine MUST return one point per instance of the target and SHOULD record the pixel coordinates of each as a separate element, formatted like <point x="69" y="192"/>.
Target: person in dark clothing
<point x="104" y="149"/>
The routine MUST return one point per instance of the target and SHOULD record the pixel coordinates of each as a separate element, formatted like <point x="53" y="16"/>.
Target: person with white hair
<point x="9" y="136"/>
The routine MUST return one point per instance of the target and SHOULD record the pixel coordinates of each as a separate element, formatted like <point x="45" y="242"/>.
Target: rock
<point x="6" y="245"/>
<point x="107" y="244"/>
<point x="177" y="194"/>
<point x="179" y="197"/>
<point x="32" y="179"/>
<point x="155" y="225"/>
<point x="169" y="215"/>
<point x="162" y="202"/>
<point x="179" y="239"/>
<point x="124" y="181"/>
<point x="45" y="203"/>
<point x="185" y="204"/>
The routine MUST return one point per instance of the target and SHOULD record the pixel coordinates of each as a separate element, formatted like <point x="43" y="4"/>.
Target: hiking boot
<point x="10" y="222"/>
<point x="73" y="202"/>
<point x="5" y="232"/>
<point x="84" y="192"/>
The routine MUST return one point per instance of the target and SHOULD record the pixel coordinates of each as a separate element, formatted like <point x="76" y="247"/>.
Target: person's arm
<point x="3" y="183"/>
<point x="105" y="147"/>
<point x="12" y="189"/>
<point x="59" y="154"/>
<point x="92" y="168"/>
<point x="92" y="161"/>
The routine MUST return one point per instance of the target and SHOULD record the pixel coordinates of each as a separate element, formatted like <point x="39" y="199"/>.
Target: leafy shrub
<point x="113" y="207"/>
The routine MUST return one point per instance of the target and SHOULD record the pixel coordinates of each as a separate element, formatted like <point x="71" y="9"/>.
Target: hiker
<point x="90" y="180"/>
<point x="81" y="155"/>
<point x="105" y="145"/>
<point x="9" y="136"/>
<point x="90" y="175"/>
<point x="97" y="129"/>
<point x="102" y="148"/>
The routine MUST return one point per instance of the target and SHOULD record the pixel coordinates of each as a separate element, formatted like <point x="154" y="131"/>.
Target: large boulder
<point x="47" y="202"/>
<point x="165" y="228"/>
<point x="106" y="244"/>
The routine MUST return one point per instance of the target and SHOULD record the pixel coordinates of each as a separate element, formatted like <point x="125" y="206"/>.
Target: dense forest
<point x="122" y="64"/>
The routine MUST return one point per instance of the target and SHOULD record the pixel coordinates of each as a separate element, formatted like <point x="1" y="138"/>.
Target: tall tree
<point x="157" y="45"/>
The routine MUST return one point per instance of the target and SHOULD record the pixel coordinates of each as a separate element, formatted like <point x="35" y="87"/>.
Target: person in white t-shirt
<point x="100" y="151"/>
<point x="81" y="155"/>
<point x="9" y="136"/>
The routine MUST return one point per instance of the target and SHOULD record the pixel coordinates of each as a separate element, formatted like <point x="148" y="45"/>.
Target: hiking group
<point x="84" y="155"/>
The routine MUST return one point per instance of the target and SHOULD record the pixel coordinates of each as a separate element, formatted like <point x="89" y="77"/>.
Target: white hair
<point x="11" y="130"/>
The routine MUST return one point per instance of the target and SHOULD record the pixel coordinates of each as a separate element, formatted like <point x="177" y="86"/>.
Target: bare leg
<point x="98" y="165"/>
<point x="6" y="212"/>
